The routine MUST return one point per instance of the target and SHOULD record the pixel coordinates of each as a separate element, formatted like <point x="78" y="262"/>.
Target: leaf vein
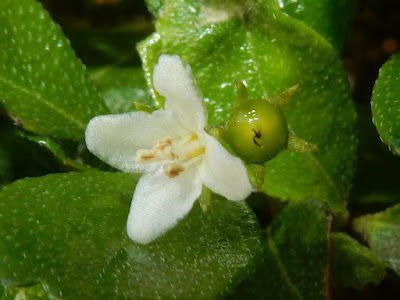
<point x="44" y="101"/>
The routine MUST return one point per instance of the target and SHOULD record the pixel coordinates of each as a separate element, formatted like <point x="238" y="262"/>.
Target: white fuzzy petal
<point x="174" y="80"/>
<point x="116" y="138"/>
<point x="224" y="173"/>
<point x="160" y="202"/>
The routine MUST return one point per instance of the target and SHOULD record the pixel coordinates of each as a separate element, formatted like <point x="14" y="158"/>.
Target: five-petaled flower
<point x="172" y="149"/>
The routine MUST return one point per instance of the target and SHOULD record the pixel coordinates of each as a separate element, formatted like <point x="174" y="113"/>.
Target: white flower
<point x="172" y="149"/>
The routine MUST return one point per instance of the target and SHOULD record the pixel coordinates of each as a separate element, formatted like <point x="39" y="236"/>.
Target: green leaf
<point x="42" y="83"/>
<point x="25" y="158"/>
<point x="330" y="18"/>
<point x="382" y="231"/>
<point x="109" y="46"/>
<point x="121" y="87"/>
<point x="5" y="164"/>
<point x="385" y="104"/>
<point x="35" y="292"/>
<point x="376" y="185"/>
<point x="255" y="42"/>
<point x="352" y="264"/>
<point x="154" y="6"/>
<point x="295" y="255"/>
<point x="67" y="232"/>
<point x="57" y="151"/>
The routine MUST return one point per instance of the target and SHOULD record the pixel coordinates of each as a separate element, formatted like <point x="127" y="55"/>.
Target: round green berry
<point x="257" y="131"/>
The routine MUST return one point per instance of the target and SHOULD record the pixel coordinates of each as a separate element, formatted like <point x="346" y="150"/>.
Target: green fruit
<point x="257" y="131"/>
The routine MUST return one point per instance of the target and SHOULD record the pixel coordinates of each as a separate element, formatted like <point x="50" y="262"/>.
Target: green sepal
<point x="242" y="96"/>
<point x="217" y="131"/>
<point x="144" y="107"/>
<point x="299" y="145"/>
<point x="256" y="175"/>
<point x="283" y="99"/>
<point x="205" y="199"/>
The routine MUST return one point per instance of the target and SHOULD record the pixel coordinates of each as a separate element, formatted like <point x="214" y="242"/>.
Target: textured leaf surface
<point x="57" y="151"/>
<point x="385" y="103"/>
<point x="255" y="42"/>
<point x="67" y="233"/>
<point x="295" y="255"/>
<point x="5" y="164"/>
<point x="42" y="83"/>
<point x="376" y="185"/>
<point x="382" y="231"/>
<point x="109" y="46"/>
<point x="330" y="18"/>
<point x="121" y="87"/>
<point x="35" y="292"/>
<point x="352" y="264"/>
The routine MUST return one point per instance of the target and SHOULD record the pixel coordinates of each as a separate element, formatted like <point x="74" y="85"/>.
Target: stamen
<point x="143" y="155"/>
<point x="195" y="152"/>
<point x="193" y="138"/>
<point x="173" y="170"/>
<point x="187" y="139"/>
<point x="169" y="154"/>
<point x="163" y="143"/>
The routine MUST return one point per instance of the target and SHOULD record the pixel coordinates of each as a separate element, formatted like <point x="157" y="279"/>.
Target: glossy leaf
<point x="97" y="47"/>
<point x="295" y="255"/>
<point x="67" y="232"/>
<point x="382" y="231"/>
<point x="5" y="164"/>
<point x="385" y="103"/>
<point x="330" y="18"/>
<point x="121" y="87"/>
<point x="42" y="83"/>
<point x="35" y="292"/>
<point x="56" y="149"/>
<point x="255" y="42"/>
<point x="352" y="264"/>
<point x="376" y="185"/>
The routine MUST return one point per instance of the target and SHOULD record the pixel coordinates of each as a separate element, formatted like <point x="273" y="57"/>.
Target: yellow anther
<point x="173" y="170"/>
<point x="193" y="138"/>
<point x="195" y="152"/>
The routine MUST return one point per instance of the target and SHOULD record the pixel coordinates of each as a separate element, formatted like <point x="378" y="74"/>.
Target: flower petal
<point x="175" y="81"/>
<point x="159" y="202"/>
<point x="224" y="173"/>
<point x="116" y="138"/>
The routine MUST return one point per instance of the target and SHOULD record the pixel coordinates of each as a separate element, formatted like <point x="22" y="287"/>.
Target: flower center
<point x="178" y="156"/>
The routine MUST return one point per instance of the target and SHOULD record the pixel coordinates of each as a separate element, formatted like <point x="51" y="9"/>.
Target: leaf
<point x="5" y="164"/>
<point x="382" y="231"/>
<point x="25" y="158"/>
<point x="67" y="232"/>
<point x="295" y="255"/>
<point x="121" y="87"/>
<point x="376" y="184"/>
<point x="42" y="83"/>
<point x="25" y="293"/>
<point x="352" y="264"/>
<point x="57" y="151"/>
<point x="255" y="42"/>
<point x="109" y="46"/>
<point x="330" y="18"/>
<point x="385" y="104"/>
<point x="154" y="6"/>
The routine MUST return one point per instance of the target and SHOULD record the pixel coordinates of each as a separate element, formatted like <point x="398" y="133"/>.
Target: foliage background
<point x="93" y="25"/>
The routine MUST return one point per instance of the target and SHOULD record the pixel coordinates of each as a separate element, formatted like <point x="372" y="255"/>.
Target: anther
<point x="163" y="143"/>
<point x="173" y="170"/>
<point x="143" y="155"/>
